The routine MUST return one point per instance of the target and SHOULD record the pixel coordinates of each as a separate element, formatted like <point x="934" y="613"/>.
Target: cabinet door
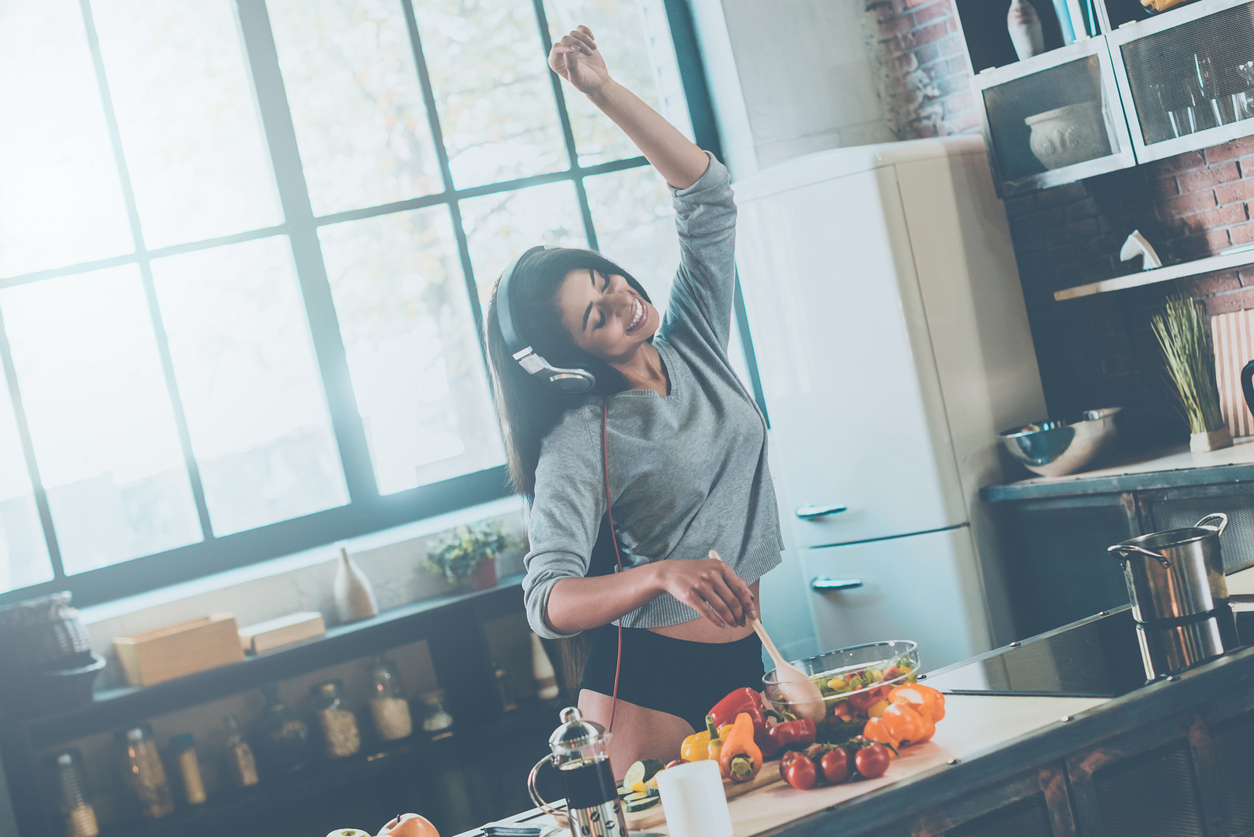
<point x="1187" y="79"/>
<point x="897" y="588"/>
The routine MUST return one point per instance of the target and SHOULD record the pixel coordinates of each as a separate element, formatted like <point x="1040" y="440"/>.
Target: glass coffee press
<point x="580" y="752"/>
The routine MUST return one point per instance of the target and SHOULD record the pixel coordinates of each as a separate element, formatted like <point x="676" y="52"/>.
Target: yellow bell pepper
<point x="707" y="744"/>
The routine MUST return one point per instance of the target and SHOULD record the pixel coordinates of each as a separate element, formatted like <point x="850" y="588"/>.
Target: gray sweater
<point x="688" y="472"/>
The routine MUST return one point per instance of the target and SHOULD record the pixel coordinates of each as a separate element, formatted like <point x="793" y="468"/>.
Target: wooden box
<point x="175" y="650"/>
<point x="285" y="630"/>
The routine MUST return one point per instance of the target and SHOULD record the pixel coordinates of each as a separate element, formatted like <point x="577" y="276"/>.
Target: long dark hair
<point x="527" y="411"/>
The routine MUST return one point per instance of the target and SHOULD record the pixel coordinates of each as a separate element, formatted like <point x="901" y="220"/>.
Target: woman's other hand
<point x="710" y="587"/>
<point x="576" y="58"/>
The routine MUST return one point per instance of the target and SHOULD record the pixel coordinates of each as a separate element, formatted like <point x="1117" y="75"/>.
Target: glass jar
<point x="71" y="794"/>
<point x="142" y="771"/>
<point x="340" y="735"/>
<point x="240" y="763"/>
<point x="388" y="708"/>
<point x="280" y="739"/>
<point x="437" y="723"/>
<point x="187" y="766"/>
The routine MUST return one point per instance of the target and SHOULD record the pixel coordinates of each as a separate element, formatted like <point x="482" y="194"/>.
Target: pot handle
<point x="1123" y="548"/>
<point x="1220" y="516"/>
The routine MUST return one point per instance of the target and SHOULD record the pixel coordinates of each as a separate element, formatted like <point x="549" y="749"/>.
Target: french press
<point x="580" y="752"/>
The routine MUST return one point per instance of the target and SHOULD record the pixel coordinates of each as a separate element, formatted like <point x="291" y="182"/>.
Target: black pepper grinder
<point x="580" y="752"/>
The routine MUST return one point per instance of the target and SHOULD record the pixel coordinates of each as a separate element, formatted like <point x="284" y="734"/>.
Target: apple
<point x="409" y="825"/>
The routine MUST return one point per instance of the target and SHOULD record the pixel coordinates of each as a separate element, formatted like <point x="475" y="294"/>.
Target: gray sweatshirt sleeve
<point x="565" y="514"/>
<point x="705" y="286"/>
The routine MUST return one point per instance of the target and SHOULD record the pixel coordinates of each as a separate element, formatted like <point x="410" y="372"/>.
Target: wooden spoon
<point x="795" y="686"/>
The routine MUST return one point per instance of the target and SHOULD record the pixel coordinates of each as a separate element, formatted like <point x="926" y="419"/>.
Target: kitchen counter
<point x="1002" y="764"/>
<point x="1168" y="468"/>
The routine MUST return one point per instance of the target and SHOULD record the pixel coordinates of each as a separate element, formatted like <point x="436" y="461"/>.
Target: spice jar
<point x="71" y="794"/>
<point x="437" y="723"/>
<point x="186" y="765"/>
<point x="280" y="740"/>
<point x="338" y="724"/>
<point x="388" y="708"/>
<point x="240" y="763"/>
<point x="142" y="771"/>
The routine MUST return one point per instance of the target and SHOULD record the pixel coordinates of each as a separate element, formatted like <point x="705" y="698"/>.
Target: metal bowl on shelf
<point x="1056" y="448"/>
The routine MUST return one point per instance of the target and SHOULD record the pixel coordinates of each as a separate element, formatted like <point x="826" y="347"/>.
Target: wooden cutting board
<point x="1233" y="336"/>
<point x="639" y="820"/>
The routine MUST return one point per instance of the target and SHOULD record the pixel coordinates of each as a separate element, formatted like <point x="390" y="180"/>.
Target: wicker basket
<point x="43" y="634"/>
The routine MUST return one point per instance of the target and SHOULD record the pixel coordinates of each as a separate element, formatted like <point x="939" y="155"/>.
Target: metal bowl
<point x="1056" y="448"/>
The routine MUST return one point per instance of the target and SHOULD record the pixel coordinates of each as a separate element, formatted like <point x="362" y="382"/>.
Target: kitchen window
<point x="244" y="252"/>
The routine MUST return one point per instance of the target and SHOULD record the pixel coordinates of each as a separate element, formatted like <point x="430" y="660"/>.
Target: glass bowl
<point x="854" y="679"/>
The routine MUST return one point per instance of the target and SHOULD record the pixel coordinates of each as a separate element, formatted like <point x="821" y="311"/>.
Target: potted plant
<point x="468" y="554"/>
<point x="1181" y="332"/>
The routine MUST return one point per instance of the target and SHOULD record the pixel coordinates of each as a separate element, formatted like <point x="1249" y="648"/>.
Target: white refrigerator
<point x="892" y="343"/>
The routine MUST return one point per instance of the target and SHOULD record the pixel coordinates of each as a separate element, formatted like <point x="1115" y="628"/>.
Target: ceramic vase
<point x="483" y="576"/>
<point x="354" y="597"/>
<point x="1024" y="27"/>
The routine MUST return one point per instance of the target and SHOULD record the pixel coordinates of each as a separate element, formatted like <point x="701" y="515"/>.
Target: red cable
<point x="605" y="455"/>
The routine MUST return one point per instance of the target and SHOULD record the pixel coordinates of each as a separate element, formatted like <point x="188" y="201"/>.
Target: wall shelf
<point x="1196" y="267"/>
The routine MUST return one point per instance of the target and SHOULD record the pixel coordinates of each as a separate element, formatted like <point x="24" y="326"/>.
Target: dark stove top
<point x="1096" y="657"/>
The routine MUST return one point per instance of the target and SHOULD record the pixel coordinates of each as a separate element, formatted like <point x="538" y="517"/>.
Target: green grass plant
<point x="1190" y="359"/>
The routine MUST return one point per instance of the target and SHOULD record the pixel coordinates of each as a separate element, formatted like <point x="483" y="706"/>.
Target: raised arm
<point x="576" y="58"/>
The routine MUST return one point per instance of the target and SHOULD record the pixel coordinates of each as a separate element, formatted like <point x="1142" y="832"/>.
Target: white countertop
<point x="1169" y="459"/>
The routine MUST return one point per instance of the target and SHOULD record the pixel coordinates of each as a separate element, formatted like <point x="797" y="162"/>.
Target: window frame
<point x="366" y="511"/>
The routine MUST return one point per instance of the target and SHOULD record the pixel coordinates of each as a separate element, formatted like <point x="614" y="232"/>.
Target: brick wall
<point x="1096" y="351"/>
<point x="927" y="75"/>
<point x="1099" y="350"/>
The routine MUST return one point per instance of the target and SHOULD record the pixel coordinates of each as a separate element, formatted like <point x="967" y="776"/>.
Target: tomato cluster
<point x="833" y="765"/>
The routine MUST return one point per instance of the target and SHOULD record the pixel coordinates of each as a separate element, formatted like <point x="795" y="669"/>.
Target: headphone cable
<point x="605" y="455"/>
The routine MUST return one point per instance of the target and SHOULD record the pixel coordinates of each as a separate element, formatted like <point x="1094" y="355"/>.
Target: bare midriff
<point x="703" y="630"/>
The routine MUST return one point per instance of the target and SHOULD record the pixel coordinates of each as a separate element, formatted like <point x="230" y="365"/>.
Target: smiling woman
<point x="242" y="244"/>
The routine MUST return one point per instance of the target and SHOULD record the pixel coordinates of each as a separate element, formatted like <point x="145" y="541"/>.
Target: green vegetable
<point x="643" y="805"/>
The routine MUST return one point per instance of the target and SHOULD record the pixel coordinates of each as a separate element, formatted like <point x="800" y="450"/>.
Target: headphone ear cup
<point x="569" y="380"/>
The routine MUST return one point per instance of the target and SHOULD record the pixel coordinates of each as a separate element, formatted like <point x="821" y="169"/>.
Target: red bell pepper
<point x="749" y="702"/>
<point x="797" y="734"/>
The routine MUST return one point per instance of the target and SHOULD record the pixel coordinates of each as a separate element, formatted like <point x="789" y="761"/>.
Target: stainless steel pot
<point x="1175" y="573"/>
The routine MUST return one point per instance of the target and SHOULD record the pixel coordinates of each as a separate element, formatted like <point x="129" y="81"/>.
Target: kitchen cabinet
<point x="456" y="782"/>
<point x="1139" y="89"/>
<point x="1056" y="531"/>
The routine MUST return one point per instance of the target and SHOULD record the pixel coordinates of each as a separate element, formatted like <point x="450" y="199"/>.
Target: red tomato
<point x="801" y="773"/>
<point x="835" y="766"/>
<point x="872" y="761"/>
<point x="784" y="762"/>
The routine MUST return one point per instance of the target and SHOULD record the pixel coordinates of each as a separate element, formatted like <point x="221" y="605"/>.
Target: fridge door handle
<point x="823" y="584"/>
<point x="815" y="512"/>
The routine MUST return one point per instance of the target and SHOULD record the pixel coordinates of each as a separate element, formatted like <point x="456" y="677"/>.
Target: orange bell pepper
<point x="909" y="726"/>
<point x="877" y="729"/>
<point x="923" y="699"/>
<point x="740" y="759"/>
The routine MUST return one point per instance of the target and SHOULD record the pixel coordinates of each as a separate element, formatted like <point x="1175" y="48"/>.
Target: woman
<point x="685" y="447"/>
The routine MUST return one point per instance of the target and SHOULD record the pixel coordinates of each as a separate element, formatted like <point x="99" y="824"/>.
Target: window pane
<point x="413" y="355"/>
<point x="491" y="80"/>
<point x="635" y="38"/>
<point x="356" y="102"/>
<point x="502" y="225"/>
<point x="250" y="385"/>
<point x="190" y="129"/>
<point x="60" y="199"/>
<point x="23" y="551"/>
<point x="100" y="417"/>
<point x="635" y="224"/>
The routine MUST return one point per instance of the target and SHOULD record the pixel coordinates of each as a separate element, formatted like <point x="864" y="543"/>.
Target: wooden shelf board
<point x="1160" y="274"/>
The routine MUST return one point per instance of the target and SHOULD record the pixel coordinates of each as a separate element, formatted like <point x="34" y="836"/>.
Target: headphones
<point x="552" y="377"/>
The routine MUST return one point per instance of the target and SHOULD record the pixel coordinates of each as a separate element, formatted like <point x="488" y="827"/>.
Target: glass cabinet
<point x="1146" y="86"/>
<point x="1188" y="77"/>
<point x="1054" y="121"/>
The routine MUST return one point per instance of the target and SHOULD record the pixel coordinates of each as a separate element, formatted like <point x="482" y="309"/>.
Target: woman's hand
<point x="576" y="58"/>
<point x="710" y="587"/>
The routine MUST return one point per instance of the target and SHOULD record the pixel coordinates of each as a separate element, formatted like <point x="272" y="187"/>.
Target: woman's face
<point x="605" y="316"/>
